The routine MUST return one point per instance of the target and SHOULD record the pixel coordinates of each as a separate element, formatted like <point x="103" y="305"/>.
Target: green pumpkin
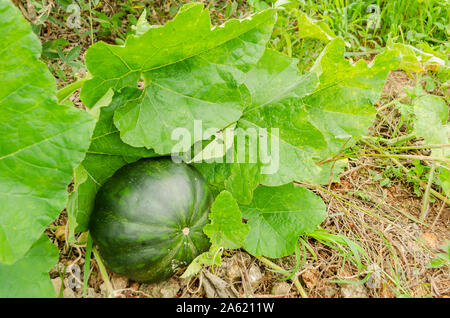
<point x="148" y="219"/>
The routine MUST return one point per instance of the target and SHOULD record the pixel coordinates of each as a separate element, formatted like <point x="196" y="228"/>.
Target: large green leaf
<point x="431" y="116"/>
<point x="430" y="123"/>
<point x="191" y="72"/>
<point x="277" y="87"/>
<point x="314" y="121"/>
<point x="278" y="216"/>
<point x="342" y="106"/>
<point x="107" y="153"/>
<point x="28" y="277"/>
<point x="226" y="228"/>
<point x="41" y="142"/>
<point x="188" y="35"/>
<point x="242" y="180"/>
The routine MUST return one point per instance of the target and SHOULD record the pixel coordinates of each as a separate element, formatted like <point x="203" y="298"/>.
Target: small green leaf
<point x="226" y="228"/>
<point x="409" y="62"/>
<point x="436" y="263"/>
<point x="431" y="116"/>
<point x="142" y="24"/>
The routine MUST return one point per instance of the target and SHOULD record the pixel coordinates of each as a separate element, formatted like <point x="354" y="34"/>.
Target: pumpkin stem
<point x="185" y="231"/>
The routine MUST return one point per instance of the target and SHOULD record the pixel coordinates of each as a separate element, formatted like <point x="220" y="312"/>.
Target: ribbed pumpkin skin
<point x="140" y="214"/>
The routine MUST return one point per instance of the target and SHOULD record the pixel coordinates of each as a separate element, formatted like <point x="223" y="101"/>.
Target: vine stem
<point x="90" y="23"/>
<point x="392" y="141"/>
<point x="65" y="92"/>
<point x="389" y="104"/>
<point x="420" y="147"/>
<point x="294" y="279"/>
<point x="87" y="264"/>
<point x="414" y="157"/>
<point x="104" y="273"/>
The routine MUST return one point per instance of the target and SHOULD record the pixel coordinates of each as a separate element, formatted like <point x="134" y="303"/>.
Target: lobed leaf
<point x="41" y="142"/>
<point x="277" y="216"/>
<point x="315" y="120"/>
<point x="342" y="105"/>
<point x="226" y="228"/>
<point x="191" y="72"/>
<point x="430" y="123"/>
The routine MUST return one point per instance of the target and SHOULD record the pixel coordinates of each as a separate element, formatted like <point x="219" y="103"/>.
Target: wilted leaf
<point x="212" y="257"/>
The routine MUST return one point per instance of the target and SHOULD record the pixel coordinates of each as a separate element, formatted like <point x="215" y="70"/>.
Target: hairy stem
<point x="104" y="273"/>
<point x="65" y="92"/>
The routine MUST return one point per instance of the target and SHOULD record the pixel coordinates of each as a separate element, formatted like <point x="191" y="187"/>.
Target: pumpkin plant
<point x="222" y="76"/>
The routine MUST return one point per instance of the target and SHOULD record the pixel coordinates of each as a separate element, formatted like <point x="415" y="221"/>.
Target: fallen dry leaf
<point x="310" y="277"/>
<point x="60" y="233"/>
<point x="430" y="240"/>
